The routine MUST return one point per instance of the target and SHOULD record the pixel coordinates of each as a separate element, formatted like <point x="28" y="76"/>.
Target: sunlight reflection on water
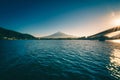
<point x="114" y="65"/>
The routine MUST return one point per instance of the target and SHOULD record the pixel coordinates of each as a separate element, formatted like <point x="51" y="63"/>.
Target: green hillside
<point x="6" y="34"/>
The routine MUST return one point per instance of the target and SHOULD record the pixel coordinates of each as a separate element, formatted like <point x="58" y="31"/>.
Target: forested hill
<point x="13" y="35"/>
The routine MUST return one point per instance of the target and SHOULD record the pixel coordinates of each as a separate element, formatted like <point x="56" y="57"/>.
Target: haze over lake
<point x="59" y="60"/>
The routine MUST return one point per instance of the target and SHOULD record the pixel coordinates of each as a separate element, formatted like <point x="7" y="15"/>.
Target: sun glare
<point x="116" y="41"/>
<point x="116" y="22"/>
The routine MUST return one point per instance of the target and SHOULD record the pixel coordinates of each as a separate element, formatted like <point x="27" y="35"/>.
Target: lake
<point x="59" y="60"/>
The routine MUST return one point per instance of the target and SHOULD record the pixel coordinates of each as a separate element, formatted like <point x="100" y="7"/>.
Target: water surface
<point x="59" y="60"/>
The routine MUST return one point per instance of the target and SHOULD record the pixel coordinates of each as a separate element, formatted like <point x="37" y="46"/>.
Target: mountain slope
<point x="59" y="35"/>
<point x="104" y="33"/>
<point x="13" y="35"/>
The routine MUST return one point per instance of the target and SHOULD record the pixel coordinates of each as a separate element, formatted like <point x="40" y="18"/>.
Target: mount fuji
<point x="59" y="35"/>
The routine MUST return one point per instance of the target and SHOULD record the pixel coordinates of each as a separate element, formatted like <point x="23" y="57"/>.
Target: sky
<point x="45" y="17"/>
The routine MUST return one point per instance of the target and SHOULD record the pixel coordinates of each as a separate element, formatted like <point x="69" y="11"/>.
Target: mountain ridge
<point x="59" y="35"/>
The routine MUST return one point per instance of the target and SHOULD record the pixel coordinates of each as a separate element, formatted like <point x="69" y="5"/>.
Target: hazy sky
<point x="43" y="17"/>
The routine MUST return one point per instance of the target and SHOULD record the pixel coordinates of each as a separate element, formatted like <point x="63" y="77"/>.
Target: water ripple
<point x="59" y="60"/>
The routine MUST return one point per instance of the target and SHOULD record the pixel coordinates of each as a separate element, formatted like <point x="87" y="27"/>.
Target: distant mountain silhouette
<point x="6" y="34"/>
<point x="102" y="35"/>
<point x="59" y="35"/>
<point x="13" y="35"/>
